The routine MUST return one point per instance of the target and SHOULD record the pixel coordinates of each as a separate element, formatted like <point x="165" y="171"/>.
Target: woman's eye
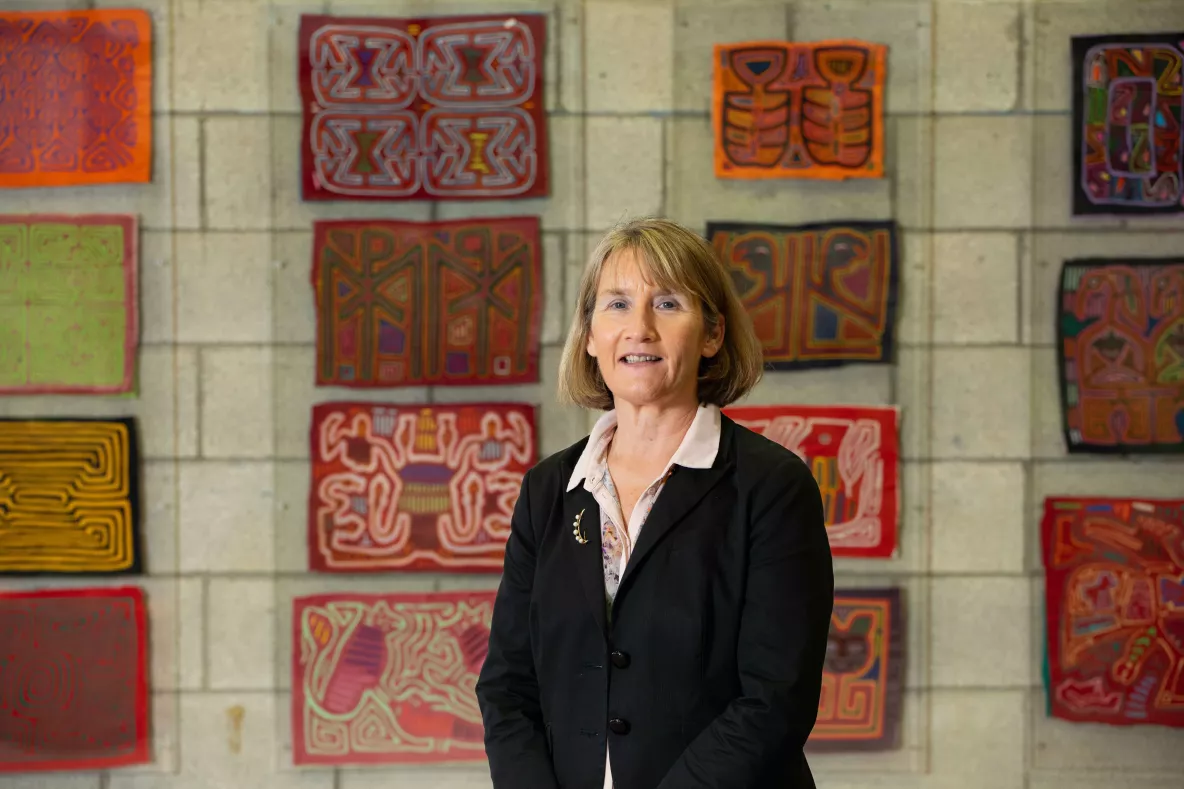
<point x="668" y="304"/>
<point x="616" y="305"/>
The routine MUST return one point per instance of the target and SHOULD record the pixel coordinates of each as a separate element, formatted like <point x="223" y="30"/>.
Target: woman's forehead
<point x="626" y="269"/>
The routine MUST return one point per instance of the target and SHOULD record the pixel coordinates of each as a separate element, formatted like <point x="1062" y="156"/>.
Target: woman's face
<point x="647" y="340"/>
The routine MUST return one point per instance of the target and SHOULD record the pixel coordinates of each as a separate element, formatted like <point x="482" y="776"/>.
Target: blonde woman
<point x="663" y="612"/>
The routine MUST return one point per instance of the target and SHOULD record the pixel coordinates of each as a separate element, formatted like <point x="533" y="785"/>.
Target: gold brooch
<point x="577" y="531"/>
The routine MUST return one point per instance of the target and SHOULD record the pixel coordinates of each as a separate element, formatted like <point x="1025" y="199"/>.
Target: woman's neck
<point x="650" y="435"/>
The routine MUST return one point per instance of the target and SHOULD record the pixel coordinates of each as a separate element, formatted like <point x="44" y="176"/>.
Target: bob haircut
<point x="681" y="261"/>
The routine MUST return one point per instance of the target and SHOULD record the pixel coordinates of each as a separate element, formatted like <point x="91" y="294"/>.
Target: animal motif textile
<point x="862" y="700"/>
<point x="1114" y="585"/>
<point x="73" y="679"/>
<point x="69" y="496"/>
<point x="388" y="678"/>
<point x="1128" y="108"/>
<point x="75" y="97"/>
<point x="1121" y="350"/>
<point x="799" y="110"/>
<point x="68" y="310"/>
<point x="819" y="295"/>
<point x="413" y="304"/>
<point x="416" y="487"/>
<point x="443" y="108"/>
<point x="854" y="453"/>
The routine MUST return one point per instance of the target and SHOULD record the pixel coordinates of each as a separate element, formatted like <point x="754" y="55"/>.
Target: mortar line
<point x="203" y="213"/>
<point x="205" y="630"/>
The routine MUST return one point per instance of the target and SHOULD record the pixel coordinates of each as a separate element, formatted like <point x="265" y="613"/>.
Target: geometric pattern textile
<point x="1128" y="110"/>
<point x="68" y="496"/>
<point x="417" y="304"/>
<point x="854" y="453"/>
<point x="388" y="678"/>
<point x="75" y="97"/>
<point x="430" y="108"/>
<point x="1114" y="595"/>
<point x="68" y="305"/>
<point x="416" y="487"/>
<point x="862" y="699"/>
<point x="819" y="295"/>
<point x="1121" y="352"/>
<point x="799" y="110"/>
<point x="73" y="680"/>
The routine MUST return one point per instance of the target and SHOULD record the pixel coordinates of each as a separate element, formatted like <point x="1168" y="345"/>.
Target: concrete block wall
<point x="978" y="175"/>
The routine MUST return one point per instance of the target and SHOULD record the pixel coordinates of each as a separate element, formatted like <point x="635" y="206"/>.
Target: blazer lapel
<point x="685" y="488"/>
<point x="586" y="556"/>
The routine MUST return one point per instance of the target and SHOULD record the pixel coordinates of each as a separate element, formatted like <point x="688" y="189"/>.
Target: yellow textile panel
<point x="68" y="496"/>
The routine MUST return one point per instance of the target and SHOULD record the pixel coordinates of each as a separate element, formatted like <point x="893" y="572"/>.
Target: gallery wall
<point x="978" y="173"/>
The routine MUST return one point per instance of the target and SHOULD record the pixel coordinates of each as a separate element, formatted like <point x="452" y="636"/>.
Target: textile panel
<point x="73" y="679"/>
<point x="1114" y="599"/>
<point x="799" y="110"/>
<point x="862" y="700"/>
<point x="414" y="304"/>
<point x="68" y="496"/>
<point x="819" y="295"/>
<point x="416" y="487"/>
<point x="68" y="310"/>
<point x="410" y="109"/>
<point x="1121" y="351"/>
<point x="854" y="453"/>
<point x="75" y="97"/>
<point x="1128" y="107"/>
<point x="388" y="679"/>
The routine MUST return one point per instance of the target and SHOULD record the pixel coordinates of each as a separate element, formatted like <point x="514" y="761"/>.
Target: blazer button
<point x="619" y="726"/>
<point x="620" y="659"/>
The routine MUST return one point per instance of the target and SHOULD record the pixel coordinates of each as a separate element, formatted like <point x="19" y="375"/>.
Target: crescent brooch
<point x="577" y="530"/>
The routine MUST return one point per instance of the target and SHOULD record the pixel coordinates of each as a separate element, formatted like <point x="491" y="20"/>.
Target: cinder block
<point x="695" y="196"/>
<point x="169" y="201"/>
<point x="1057" y="21"/>
<point x="983" y="172"/>
<point x="853" y="384"/>
<point x="190" y="632"/>
<point x="569" y="18"/>
<point x="913" y="308"/>
<point x="221" y="56"/>
<point x="905" y="26"/>
<point x="1048" y="426"/>
<point x="237" y="175"/>
<point x="914" y="368"/>
<point x="158" y="519"/>
<point x="1065" y="745"/>
<point x="976" y="288"/>
<point x="624" y="169"/>
<point x="635" y="73"/>
<point x="295" y="317"/>
<point x="894" y="769"/>
<point x="284" y="46"/>
<point x="1051" y="250"/>
<point x="240" y="623"/>
<point x="559" y="425"/>
<point x="981" y="405"/>
<point x="977" y="59"/>
<point x="163" y="617"/>
<point x="979" y="632"/>
<point x="699" y="28"/>
<point x="292" y="212"/>
<point x="1075" y="779"/>
<point x="460" y="777"/>
<point x="554" y="267"/>
<point x="287" y="589"/>
<point x="156" y="287"/>
<point x="237" y="413"/>
<point x="226" y="516"/>
<point x="562" y="209"/>
<point x="295" y="377"/>
<point x="164" y="731"/>
<point x="54" y="781"/>
<point x="908" y="162"/>
<point x="979" y="733"/>
<point x="230" y="738"/>
<point x="152" y="405"/>
<point x="979" y="519"/>
<point x="292" y="480"/>
<point x="224" y="288"/>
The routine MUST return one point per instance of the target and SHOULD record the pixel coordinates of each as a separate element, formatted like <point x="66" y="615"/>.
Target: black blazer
<point x="708" y="674"/>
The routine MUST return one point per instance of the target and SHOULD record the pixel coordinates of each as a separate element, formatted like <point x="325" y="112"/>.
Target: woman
<point x="663" y="613"/>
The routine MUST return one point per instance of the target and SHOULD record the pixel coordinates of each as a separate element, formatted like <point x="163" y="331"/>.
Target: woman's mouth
<point x="640" y="358"/>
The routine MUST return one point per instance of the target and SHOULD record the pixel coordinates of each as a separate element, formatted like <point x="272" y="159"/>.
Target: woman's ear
<point x="715" y="338"/>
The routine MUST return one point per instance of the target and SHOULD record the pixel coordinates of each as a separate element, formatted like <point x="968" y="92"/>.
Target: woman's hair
<point x="681" y="261"/>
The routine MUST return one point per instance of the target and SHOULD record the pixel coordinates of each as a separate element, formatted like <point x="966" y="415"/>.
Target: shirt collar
<point x="698" y="449"/>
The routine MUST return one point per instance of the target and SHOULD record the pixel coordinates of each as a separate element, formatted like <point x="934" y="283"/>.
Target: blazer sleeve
<point x="507" y="689"/>
<point x="789" y="595"/>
